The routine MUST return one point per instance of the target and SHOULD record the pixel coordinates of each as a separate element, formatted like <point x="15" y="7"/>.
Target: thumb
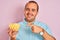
<point x="32" y="28"/>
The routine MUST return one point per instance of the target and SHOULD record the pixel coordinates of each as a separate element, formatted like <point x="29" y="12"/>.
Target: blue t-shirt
<point x="25" y="32"/>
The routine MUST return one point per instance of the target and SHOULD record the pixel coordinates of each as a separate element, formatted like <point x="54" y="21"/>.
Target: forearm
<point x="13" y="39"/>
<point x="47" y="36"/>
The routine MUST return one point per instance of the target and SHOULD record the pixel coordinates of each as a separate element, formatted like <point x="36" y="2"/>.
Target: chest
<point x="25" y="33"/>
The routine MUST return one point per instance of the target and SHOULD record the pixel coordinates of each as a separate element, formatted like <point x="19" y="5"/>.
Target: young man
<point x="31" y="29"/>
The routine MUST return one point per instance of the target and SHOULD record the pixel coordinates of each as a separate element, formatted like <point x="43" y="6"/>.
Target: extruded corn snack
<point x="14" y="26"/>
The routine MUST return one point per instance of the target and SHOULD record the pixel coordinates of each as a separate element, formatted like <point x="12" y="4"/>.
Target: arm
<point x="38" y="29"/>
<point x="12" y="39"/>
<point x="47" y="36"/>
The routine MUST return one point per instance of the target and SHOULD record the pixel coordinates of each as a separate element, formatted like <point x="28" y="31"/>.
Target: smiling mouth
<point x="28" y="14"/>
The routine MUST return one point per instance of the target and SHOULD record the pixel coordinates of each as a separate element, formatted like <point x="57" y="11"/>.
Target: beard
<point x="29" y="20"/>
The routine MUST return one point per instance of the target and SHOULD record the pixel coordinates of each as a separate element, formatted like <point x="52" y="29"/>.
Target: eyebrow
<point x="28" y="9"/>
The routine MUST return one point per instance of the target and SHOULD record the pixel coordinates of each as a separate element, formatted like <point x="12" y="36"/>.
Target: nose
<point x="30" y="11"/>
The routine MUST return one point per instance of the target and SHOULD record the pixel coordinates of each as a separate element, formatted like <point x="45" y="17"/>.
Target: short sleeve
<point x="48" y="30"/>
<point x="45" y="27"/>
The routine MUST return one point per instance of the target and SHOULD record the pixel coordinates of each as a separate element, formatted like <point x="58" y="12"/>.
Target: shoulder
<point x="21" y="22"/>
<point x="44" y="26"/>
<point x="41" y="24"/>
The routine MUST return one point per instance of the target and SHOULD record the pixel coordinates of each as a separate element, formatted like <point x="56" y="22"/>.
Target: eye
<point x="27" y="9"/>
<point x="33" y="10"/>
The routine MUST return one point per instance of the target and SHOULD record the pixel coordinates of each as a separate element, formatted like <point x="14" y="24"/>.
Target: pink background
<point x="12" y="11"/>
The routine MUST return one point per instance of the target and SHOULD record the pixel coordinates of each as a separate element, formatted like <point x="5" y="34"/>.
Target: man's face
<point x="30" y="11"/>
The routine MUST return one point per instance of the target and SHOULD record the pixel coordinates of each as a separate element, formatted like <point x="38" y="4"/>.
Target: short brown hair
<point x="33" y="2"/>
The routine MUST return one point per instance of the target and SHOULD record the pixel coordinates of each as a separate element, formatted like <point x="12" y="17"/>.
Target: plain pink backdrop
<point x="12" y="11"/>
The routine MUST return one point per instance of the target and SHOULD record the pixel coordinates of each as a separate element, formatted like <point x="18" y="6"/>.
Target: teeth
<point x="29" y="14"/>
